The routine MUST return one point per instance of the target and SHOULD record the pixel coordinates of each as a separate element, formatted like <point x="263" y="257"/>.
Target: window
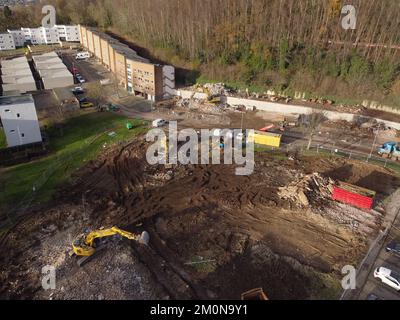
<point x="22" y="135"/>
<point x="12" y="131"/>
<point x="18" y="115"/>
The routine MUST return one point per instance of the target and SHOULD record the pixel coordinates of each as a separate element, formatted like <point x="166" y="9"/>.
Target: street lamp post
<point x="373" y="145"/>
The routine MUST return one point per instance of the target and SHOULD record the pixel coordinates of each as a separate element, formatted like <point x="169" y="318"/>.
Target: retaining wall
<point x="284" y="108"/>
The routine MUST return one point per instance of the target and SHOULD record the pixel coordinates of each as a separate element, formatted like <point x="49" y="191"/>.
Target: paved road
<point x="90" y="69"/>
<point x="377" y="257"/>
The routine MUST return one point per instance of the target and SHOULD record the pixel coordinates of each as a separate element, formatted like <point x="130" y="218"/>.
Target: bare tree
<point x="95" y="92"/>
<point x="311" y="124"/>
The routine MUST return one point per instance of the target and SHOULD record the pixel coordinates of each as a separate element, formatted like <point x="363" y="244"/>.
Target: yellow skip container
<point x="266" y="138"/>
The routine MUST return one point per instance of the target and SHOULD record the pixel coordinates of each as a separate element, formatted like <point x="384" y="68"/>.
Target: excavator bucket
<point x="144" y="238"/>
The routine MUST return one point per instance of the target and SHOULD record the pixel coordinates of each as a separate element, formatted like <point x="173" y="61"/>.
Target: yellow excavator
<point x="212" y="98"/>
<point x="88" y="243"/>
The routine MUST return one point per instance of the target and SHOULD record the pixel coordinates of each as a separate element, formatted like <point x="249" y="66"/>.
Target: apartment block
<point x="19" y="37"/>
<point x="19" y="119"/>
<point x="33" y="35"/>
<point x="68" y="33"/>
<point x="144" y="77"/>
<point x="96" y="45"/>
<point x="105" y="52"/>
<point x="90" y="41"/>
<point x="83" y="36"/>
<point x="136" y="74"/>
<point x="50" y="35"/>
<point x="6" y="42"/>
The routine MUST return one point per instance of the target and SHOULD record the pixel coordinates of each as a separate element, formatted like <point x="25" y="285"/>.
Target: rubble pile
<point x="185" y="103"/>
<point x="196" y="104"/>
<point x="216" y="88"/>
<point x="388" y="134"/>
<point x="354" y="218"/>
<point x="373" y="125"/>
<point x="305" y="190"/>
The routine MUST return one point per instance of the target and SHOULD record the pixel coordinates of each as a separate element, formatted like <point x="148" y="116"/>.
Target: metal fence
<point x="351" y="154"/>
<point x="332" y="150"/>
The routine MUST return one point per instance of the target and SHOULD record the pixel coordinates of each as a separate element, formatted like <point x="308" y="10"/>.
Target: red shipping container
<point x="353" y="195"/>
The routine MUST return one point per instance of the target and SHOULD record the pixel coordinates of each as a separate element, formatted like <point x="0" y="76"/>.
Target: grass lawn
<point x="10" y="53"/>
<point x="3" y="142"/>
<point x="80" y="140"/>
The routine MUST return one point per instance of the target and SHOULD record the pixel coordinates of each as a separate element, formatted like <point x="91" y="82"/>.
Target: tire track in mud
<point x="165" y="265"/>
<point x="202" y="211"/>
<point x="204" y="186"/>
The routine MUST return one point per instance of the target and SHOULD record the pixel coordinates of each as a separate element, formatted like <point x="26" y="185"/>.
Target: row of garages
<point x="16" y="77"/>
<point x="53" y="72"/>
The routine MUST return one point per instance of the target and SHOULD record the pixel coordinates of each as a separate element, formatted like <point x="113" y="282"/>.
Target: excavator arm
<point x="92" y="236"/>
<point x="84" y="245"/>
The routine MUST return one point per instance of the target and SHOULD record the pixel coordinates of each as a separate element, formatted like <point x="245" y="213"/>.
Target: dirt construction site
<point x="213" y="235"/>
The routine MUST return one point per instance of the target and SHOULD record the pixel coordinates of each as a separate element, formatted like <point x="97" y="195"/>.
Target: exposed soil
<point x="212" y="234"/>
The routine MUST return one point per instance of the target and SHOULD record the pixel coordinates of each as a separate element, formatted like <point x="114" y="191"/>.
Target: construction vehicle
<point x="88" y="243"/>
<point x="86" y="104"/>
<point x="212" y="98"/>
<point x="388" y="149"/>
<point x="254" y="294"/>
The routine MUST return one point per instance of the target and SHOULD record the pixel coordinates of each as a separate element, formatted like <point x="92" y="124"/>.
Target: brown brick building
<point x="136" y="74"/>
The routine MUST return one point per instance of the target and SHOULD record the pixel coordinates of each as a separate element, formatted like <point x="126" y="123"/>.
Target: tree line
<point x="279" y="43"/>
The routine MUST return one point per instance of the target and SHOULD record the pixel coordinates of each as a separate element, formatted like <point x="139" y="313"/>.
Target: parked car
<point x="80" y="79"/>
<point x="159" y="123"/>
<point x="83" y="99"/>
<point x="393" y="247"/>
<point x="78" y="90"/>
<point x="87" y="104"/>
<point x="388" y="277"/>
<point x="112" y="107"/>
<point x="82" y="55"/>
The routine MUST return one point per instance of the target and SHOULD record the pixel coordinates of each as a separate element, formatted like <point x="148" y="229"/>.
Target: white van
<point x="82" y="55"/>
<point x="159" y="123"/>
